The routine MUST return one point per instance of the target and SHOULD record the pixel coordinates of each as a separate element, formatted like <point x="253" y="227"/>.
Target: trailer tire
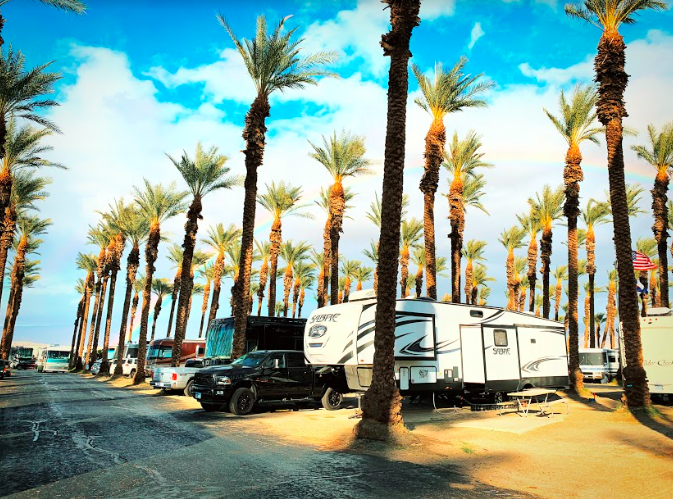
<point x="332" y="400"/>
<point x="242" y="401"/>
<point x="188" y="389"/>
<point x="211" y="407"/>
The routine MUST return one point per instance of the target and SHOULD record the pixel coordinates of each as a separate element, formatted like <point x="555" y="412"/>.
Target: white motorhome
<point x="656" y="334"/>
<point x="441" y="346"/>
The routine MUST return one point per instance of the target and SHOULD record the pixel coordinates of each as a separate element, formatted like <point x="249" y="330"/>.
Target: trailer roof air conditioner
<point x="363" y="294"/>
<point x="658" y="311"/>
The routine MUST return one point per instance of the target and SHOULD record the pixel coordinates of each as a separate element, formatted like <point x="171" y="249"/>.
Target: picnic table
<point x="526" y="398"/>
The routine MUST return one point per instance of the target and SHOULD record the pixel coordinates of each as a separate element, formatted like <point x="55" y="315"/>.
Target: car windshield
<point x="252" y="359"/>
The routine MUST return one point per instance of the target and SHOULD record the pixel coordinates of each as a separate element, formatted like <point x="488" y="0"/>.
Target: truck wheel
<point x="132" y="374"/>
<point x="188" y="389"/>
<point x="332" y="399"/>
<point x="242" y="402"/>
<point x="211" y="407"/>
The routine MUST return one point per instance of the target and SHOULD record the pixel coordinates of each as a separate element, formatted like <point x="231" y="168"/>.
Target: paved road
<point x="65" y="436"/>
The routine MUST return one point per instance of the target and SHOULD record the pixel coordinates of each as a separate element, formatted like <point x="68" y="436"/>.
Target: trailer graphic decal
<point x="534" y="366"/>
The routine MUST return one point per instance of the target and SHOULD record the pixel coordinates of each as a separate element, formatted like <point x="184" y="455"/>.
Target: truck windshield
<point x="252" y="359"/>
<point x="592" y="358"/>
<point x="132" y="352"/>
<point x="53" y="354"/>
<point x="160" y="352"/>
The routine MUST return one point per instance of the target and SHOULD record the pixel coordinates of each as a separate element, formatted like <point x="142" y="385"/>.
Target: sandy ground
<point x="597" y="450"/>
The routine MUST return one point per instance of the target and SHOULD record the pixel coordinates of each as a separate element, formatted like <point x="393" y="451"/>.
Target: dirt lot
<point x="597" y="450"/>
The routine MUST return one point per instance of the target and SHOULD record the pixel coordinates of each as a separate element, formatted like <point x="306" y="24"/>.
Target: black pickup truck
<point x="264" y="375"/>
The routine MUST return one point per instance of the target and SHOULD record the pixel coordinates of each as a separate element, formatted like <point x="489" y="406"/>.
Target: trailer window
<point x="476" y="313"/>
<point x="500" y="337"/>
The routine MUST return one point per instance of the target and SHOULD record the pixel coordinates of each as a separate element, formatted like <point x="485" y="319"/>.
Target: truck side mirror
<point x="276" y="363"/>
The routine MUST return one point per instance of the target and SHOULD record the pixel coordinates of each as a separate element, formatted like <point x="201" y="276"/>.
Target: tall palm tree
<point x="263" y="249"/>
<point x="157" y="204"/>
<point x="22" y="95"/>
<point x="80" y="288"/>
<point x="479" y="279"/>
<point x="382" y="402"/>
<point x="175" y="256"/>
<point x="598" y="320"/>
<point x="233" y="271"/>
<point x="30" y="274"/>
<point x="548" y="208"/>
<point x="138" y="287"/>
<point x="280" y="200"/>
<point x="220" y="240"/>
<point x="511" y="239"/>
<point x="596" y="213"/>
<point x="306" y="281"/>
<point x="206" y="273"/>
<point x="576" y="124"/>
<point x="561" y="275"/>
<point x="65" y="5"/>
<point x="87" y="263"/>
<point x="612" y="79"/>
<point x="161" y="288"/>
<point x="418" y="259"/>
<point x="373" y="254"/>
<point x="135" y="229"/>
<point x="29" y="228"/>
<point x="448" y="92"/>
<point x="462" y="160"/>
<point x="291" y="253"/>
<point x="348" y="270"/>
<point x="100" y="236"/>
<point x="660" y="156"/>
<point x="531" y="223"/>
<point x="589" y="334"/>
<point x="274" y="63"/>
<point x="301" y="272"/>
<point x="484" y="293"/>
<point x="611" y="307"/>
<point x="411" y="232"/>
<point x="519" y="286"/>
<point x="204" y="173"/>
<point x="363" y="274"/>
<point x="343" y="157"/>
<point x="473" y="252"/>
<point x="523" y="289"/>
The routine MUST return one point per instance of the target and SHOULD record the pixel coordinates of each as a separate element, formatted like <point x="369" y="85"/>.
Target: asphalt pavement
<point x="65" y="436"/>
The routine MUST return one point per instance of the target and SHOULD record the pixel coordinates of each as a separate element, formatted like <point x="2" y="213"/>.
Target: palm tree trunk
<point x="468" y="282"/>
<point x="557" y="299"/>
<point x="187" y="278"/>
<point x="254" y="136"/>
<point x="132" y="263"/>
<point x="545" y="257"/>
<point x="295" y="296"/>
<point x="588" y="337"/>
<point x="382" y="402"/>
<point x="660" y="211"/>
<point x="611" y="312"/>
<point x="323" y="279"/>
<point x="174" y="300"/>
<point x="337" y="206"/>
<point x="434" y="155"/>
<point x="404" y="272"/>
<point x="5" y="173"/>
<point x="532" y="273"/>
<point x="157" y="311"/>
<point x="217" y="286"/>
<point x="6" y="238"/>
<point x="151" y="254"/>
<point x="612" y="80"/>
<point x="301" y="301"/>
<point x="591" y="323"/>
<point x="457" y="220"/>
<point x="18" y="272"/>
<point x="94" y="318"/>
<point x="475" y="291"/>
<point x="419" y="282"/>
<point x="287" y="286"/>
<point x="509" y="268"/>
<point x="204" y="307"/>
<point x="590" y="245"/>
<point x="99" y="318"/>
<point x="655" y="301"/>
<point x="80" y="307"/>
<point x="76" y="361"/>
<point x="276" y="239"/>
<point x="263" y="277"/>
<point x="132" y="319"/>
<point x="104" y="367"/>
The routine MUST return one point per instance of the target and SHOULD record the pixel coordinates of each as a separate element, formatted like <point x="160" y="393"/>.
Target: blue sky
<point x="145" y="78"/>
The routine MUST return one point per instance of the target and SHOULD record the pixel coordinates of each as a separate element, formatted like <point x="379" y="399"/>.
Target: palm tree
<point x="66" y="5"/>
<point x="29" y="230"/>
<point x="220" y="240"/>
<point x="479" y="279"/>
<point x="161" y="288"/>
<point x="484" y="293"/>
<point x="280" y="200"/>
<point x="576" y="124"/>
<point x="382" y="402"/>
<point x="206" y="272"/>
<point x="291" y="253"/>
<point x="561" y="275"/>
<point x="519" y="287"/>
<point x="203" y="174"/>
<point x="100" y="236"/>
<point x="462" y="160"/>
<point x="654" y="287"/>
<point x="87" y="263"/>
<point x="263" y="249"/>
<point x="612" y="79"/>
<point x="418" y="259"/>
<point x="348" y="270"/>
<point x="30" y="274"/>
<point x="21" y="96"/>
<point x="343" y="157"/>
<point x="138" y="287"/>
<point x="598" y="320"/>
<point x="447" y="92"/>
<point x="611" y="308"/>
<point x="660" y="156"/>
<point x="595" y="214"/>
<point x="373" y="254"/>
<point x="589" y="334"/>
<point x="411" y="232"/>
<point x="306" y="281"/>
<point x="523" y="289"/>
<point x="274" y="63"/>
<point x="548" y="208"/>
<point x="175" y="256"/>
<point x="362" y="274"/>
<point x="531" y="223"/>
<point x="157" y="204"/>
<point x="473" y="252"/>
<point x="232" y="270"/>
<point x="80" y="288"/>
<point x="135" y="229"/>
<point x="511" y="239"/>
<point x="301" y="271"/>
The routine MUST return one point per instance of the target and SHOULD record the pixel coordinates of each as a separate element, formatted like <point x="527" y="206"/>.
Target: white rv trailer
<point x="441" y="346"/>
<point x="656" y="335"/>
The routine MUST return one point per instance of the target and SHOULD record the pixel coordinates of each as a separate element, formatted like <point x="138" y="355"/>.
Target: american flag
<point x="641" y="261"/>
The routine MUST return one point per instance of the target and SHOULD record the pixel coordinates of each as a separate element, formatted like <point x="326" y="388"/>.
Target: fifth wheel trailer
<point x="441" y="347"/>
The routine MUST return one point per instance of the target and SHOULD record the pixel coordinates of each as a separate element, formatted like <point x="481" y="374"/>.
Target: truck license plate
<point x="197" y="395"/>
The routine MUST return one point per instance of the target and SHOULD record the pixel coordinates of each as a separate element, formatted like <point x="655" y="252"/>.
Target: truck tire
<point x="132" y="374"/>
<point x="332" y="399"/>
<point x="211" y="407"/>
<point x="242" y="402"/>
<point x="188" y="389"/>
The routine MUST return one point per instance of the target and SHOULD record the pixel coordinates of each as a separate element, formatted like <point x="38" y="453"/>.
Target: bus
<point x="53" y="359"/>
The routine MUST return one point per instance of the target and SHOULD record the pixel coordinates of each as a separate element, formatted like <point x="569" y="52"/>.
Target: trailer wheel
<point x="242" y="402"/>
<point x="188" y="389"/>
<point x="211" y="407"/>
<point x="332" y="399"/>
<point x="132" y="374"/>
<point x="499" y="397"/>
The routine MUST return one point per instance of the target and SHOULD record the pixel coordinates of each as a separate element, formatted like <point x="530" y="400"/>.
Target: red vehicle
<point x="160" y="352"/>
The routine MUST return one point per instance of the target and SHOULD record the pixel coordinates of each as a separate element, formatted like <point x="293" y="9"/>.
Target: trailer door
<point x="501" y="354"/>
<point x="472" y="352"/>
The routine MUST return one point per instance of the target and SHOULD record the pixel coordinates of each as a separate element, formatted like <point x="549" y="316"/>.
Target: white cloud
<point x="582" y="71"/>
<point x="476" y="33"/>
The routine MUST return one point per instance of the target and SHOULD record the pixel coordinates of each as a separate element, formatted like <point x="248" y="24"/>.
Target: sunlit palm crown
<point x="342" y="155"/>
<point x="596" y="213"/>
<point x="126" y="218"/>
<point x="608" y="15"/>
<point x="27" y="189"/>
<point x="100" y="235"/>
<point x="23" y="148"/>
<point x="206" y="272"/>
<point x="577" y="120"/>
<point x="219" y="238"/>
<point x="139" y="284"/>
<point x="87" y="262"/>
<point x="474" y="250"/>
<point x="200" y="258"/>
<point x="530" y="222"/>
<point x="158" y="203"/>
<point x="205" y="172"/>
<point x="473" y="190"/>
<point x="349" y="267"/>
<point x="302" y="269"/>
<point x="161" y="287"/>
<point x="411" y="233"/>
<point x="462" y="157"/>
<point x="373" y="252"/>
<point x="30" y="227"/>
<point x="175" y="255"/>
<point x="548" y="206"/>
<point x="66" y="5"/>
<point x="281" y="199"/>
<point x="633" y="197"/>
<point x="450" y="91"/>
<point x="480" y="275"/>
<point x="647" y="246"/>
<point x="363" y="274"/>
<point x="31" y="273"/>
<point x="80" y="286"/>
<point x="660" y="153"/>
<point x="273" y="59"/>
<point x="560" y="273"/>
<point x="263" y="249"/>
<point x="291" y="252"/>
<point x="323" y="199"/>
<point x="512" y="238"/>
